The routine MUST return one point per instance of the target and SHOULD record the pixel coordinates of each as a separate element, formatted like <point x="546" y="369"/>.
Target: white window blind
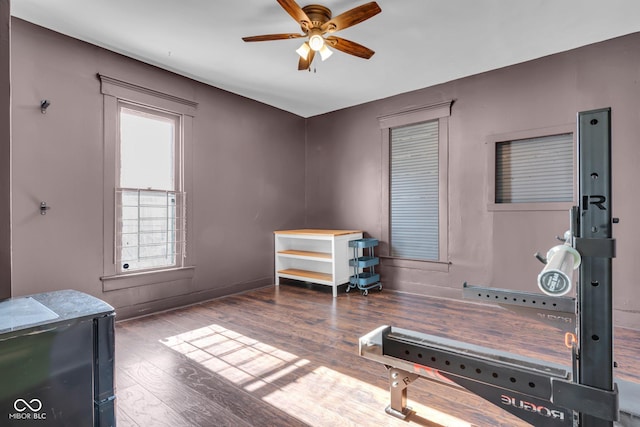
<point x="150" y="228"/>
<point x="414" y="191"/>
<point x="536" y="170"/>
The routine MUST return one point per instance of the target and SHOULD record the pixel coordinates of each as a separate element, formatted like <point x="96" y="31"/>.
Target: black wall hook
<point x="44" y="104"/>
<point x="44" y="208"/>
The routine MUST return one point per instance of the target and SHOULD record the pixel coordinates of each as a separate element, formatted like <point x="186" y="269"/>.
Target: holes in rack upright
<point x="525" y="300"/>
<point x="471" y="371"/>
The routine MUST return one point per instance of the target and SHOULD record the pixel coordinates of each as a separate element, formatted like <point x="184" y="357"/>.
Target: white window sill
<point x="132" y="280"/>
<point x="424" y="265"/>
<point x="514" y="207"/>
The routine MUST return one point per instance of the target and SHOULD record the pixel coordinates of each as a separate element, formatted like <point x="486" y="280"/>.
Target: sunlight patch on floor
<point x="236" y="357"/>
<point x="292" y="385"/>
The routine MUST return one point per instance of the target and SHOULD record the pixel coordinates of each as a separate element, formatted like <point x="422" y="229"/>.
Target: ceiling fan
<point x="316" y="21"/>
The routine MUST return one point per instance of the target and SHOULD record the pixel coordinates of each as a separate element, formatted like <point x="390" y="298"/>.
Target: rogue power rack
<point x="583" y="395"/>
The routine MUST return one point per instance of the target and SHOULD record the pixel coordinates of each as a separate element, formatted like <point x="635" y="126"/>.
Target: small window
<point x="534" y="170"/>
<point x="149" y="200"/>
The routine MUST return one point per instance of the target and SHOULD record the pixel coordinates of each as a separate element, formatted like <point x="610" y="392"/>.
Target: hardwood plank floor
<point x="288" y="356"/>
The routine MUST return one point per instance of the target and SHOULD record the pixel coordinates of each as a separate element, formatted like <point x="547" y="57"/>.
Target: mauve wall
<point x="344" y="169"/>
<point x="248" y="175"/>
<point x="5" y="150"/>
<point x="253" y="173"/>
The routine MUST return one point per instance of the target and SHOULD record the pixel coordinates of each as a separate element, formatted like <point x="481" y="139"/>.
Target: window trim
<point x="114" y="92"/>
<point x="440" y="111"/>
<point x="491" y="143"/>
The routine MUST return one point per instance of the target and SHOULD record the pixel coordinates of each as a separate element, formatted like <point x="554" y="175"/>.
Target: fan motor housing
<point x="318" y="14"/>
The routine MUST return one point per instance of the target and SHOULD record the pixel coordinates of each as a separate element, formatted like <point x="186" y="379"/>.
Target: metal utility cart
<point x="364" y="270"/>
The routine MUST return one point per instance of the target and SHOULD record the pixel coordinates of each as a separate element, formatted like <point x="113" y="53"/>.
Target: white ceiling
<point x="418" y="43"/>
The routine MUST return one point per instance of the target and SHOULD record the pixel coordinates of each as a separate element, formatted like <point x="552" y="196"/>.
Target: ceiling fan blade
<point x="304" y="64"/>
<point x="296" y="12"/>
<point x="351" y="17"/>
<point x="268" y="37"/>
<point x="347" y="46"/>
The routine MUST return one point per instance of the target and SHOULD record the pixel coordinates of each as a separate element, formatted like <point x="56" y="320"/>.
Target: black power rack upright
<point x="583" y="395"/>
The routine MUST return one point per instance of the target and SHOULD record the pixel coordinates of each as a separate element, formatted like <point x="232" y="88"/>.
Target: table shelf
<point x="319" y="256"/>
<point x="297" y="274"/>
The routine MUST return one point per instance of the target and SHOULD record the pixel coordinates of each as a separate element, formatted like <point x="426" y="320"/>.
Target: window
<point x="415" y="149"/>
<point x="534" y="170"/>
<point x="147" y="179"/>
<point x="414" y="191"/>
<point x="149" y="201"/>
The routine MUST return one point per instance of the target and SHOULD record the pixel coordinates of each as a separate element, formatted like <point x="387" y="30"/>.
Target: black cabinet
<point x="57" y="361"/>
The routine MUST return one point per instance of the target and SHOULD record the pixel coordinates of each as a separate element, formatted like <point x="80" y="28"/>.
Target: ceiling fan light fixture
<point x="325" y="52"/>
<point x="316" y="42"/>
<point x="303" y="50"/>
<point x="316" y="21"/>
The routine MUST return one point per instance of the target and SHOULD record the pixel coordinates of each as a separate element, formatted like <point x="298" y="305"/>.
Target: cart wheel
<point x="380" y="288"/>
<point x="365" y="292"/>
<point x="348" y="289"/>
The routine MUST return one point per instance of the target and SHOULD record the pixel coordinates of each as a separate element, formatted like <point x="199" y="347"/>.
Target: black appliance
<point x="57" y="361"/>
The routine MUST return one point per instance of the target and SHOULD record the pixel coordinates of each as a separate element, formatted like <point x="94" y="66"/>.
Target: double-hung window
<point x="150" y="226"/>
<point x="414" y="191"/>
<point x="415" y="149"/>
<point x="147" y="177"/>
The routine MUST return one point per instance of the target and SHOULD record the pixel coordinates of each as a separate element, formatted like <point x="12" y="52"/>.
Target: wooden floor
<point x="288" y="356"/>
